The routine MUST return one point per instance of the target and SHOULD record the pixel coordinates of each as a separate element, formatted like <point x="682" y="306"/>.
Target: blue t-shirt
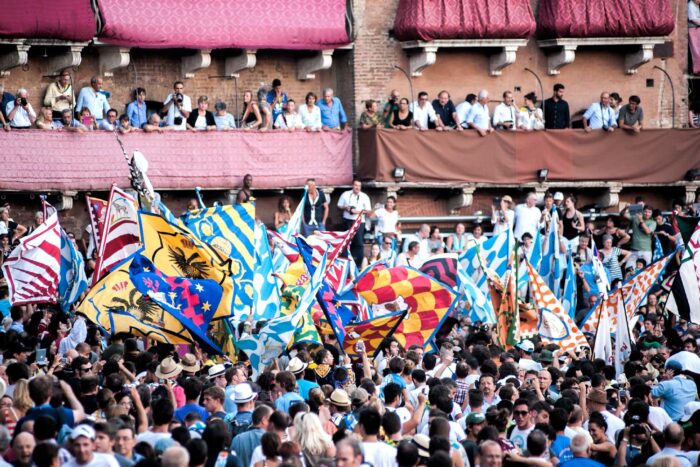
<point x="182" y="412"/>
<point x="5" y="306"/>
<point x="561" y="450"/>
<point x="581" y="462"/>
<point x="287" y="400"/>
<point x="306" y="386"/>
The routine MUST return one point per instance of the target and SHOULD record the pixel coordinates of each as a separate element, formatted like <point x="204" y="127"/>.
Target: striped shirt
<point x="611" y="264"/>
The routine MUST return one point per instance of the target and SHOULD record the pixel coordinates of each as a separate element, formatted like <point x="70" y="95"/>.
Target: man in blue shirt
<point x="137" y="109"/>
<point x="193" y="389"/>
<point x="287" y="384"/>
<point x="332" y="113"/>
<point x="245" y="443"/>
<point x="277" y="99"/>
<point x="581" y="450"/>
<point x="600" y="115"/>
<point x="675" y="393"/>
<point x="92" y="98"/>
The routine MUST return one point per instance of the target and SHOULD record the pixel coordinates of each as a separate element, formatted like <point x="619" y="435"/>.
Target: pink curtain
<point x="71" y="20"/>
<point x="604" y="18"/>
<point x="694" y="44"/>
<point x="463" y="19"/>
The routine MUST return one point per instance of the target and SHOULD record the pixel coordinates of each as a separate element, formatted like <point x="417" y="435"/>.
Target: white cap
<point x="83" y="430"/>
<point x="526" y="346"/>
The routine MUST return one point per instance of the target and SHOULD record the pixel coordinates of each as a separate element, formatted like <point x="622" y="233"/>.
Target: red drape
<point x="71" y="20"/>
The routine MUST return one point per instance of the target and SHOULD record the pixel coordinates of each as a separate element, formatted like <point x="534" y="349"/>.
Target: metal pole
<point x="410" y="82"/>
<point x="539" y="82"/>
<point x="673" y="96"/>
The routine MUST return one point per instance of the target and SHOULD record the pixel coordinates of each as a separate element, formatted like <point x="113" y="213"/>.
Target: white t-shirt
<point x="312" y="118"/>
<point x="614" y="424"/>
<point x="462" y="112"/>
<point x="519" y="437"/>
<point x="505" y="113"/>
<point x="201" y="122"/>
<point x="526" y="220"/>
<point x="173" y="111"/>
<point x="659" y="417"/>
<point x="359" y="201"/>
<point x="693" y="14"/>
<point x="379" y="454"/>
<point x="286" y="120"/>
<point x="528" y="364"/>
<point x="151" y="437"/>
<point x="402" y="412"/>
<point x="386" y="221"/>
<point x="423" y="115"/>
<point x="99" y="459"/>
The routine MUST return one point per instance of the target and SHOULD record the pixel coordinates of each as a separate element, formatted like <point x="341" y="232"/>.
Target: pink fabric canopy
<point x="71" y="20"/>
<point x="428" y="20"/>
<point x="604" y="18"/>
<point x="211" y="24"/>
<point x="37" y="160"/>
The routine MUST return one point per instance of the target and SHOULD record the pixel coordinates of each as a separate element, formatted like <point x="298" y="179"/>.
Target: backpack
<point x="238" y="427"/>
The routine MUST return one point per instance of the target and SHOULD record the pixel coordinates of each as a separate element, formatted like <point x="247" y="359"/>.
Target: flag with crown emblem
<point x="191" y="301"/>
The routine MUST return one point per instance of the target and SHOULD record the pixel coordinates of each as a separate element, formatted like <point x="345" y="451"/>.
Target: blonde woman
<point x="17" y="405"/>
<point x="314" y="442"/>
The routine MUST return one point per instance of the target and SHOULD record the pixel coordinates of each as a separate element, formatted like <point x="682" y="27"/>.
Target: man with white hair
<point x="581" y="449"/>
<point x="527" y="217"/>
<point x="478" y="117"/>
<point x="332" y="113"/>
<point x="20" y="113"/>
<point x="490" y="454"/>
<point x="422" y="238"/>
<point x="175" y="456"/>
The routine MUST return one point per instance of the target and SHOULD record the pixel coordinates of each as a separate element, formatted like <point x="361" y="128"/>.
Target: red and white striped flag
<point x="33" y="268"/>
<point x="97" y="210"/>
<point x="121" y="236"/>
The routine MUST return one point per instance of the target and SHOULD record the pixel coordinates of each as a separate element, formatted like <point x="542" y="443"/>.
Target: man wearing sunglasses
<point x="523" y="423"/>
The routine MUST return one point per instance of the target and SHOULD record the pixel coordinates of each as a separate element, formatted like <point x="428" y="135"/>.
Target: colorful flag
<point x="121" y="233"/>
<point x="568" y="300"/>
<point x="176" y="252"/>
<point x="555" y="324"/>
<point x="294" y="224"/>
<point x="191" y="301"/>
<point x="480" y="308"/>
<point x="550" y="269"/>
<point x="429" y="302"/>
<point x="266" y="303"/>
<point x="97" y="211"/>
<point x="493" y="254"/>
<point x="33" y="268"/>
<point x="507" y="319"/>
<point x="73" y="281"/>
<point x="442" y="268"/>
<point x="623" y="340"/>
<point x="685" y="290"/>
<point x="372" y="332"/>
<point x="230" y="230"/>
<point x="602" y="346"/>
<point x="658" y="250"/>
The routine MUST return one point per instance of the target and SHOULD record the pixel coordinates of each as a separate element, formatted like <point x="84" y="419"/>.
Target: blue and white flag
<point x="493" y="254"/>
<point x="550" y="269"/>
<point x="534" y="257"/>
<point x="481" y="308"/>
<point x="658" y="250"/>
<point x="72" y="280"/>
<point x="568" y="300"/>
<point x="294" y="224"/>
<point x="266" y="299"/>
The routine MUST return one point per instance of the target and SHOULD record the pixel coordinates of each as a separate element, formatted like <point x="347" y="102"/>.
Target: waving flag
<point x="97" y="211"/>
<point x="176" y="252"/>
<point x="121" y="232"/>
<point x="373" y="332"/>
<point x="492" y="254"/>
<point x="442" y="268"/>
<point x="685" y="290"/>
<point x="550" y="269"/>
<point x="73" y="281"/>
<point x="508" y="319"/>
<point x="480" y="307"/>
<point x="658" y="250"/>
<point x="429" y="302"/>
<point x="294" y="224"/>
<point x="266" y="302"/>
<point x="191" y="301"/>
<point x="556" y="326"/>
<point x="230" y="230"/>
<point x="534" y="257"/>
<point x="602" y="346"/>
<point x="569" y="297"/>
<point x="623" y="340"/>
<point x="33" y="268"/>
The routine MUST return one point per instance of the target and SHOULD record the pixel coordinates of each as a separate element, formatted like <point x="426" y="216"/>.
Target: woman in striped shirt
<point x="610" y="257"/>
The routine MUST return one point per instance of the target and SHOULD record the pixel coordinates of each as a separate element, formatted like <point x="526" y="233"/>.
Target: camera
<point x="177" y="120"/>
<point x="393" y="99"/>
<point x="23" y="101"/>
<point x="179" y="98"/>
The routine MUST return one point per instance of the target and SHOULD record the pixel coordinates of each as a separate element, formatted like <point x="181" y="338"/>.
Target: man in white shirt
<point x="478" y="116"/>
<point x="463" y="110"/>
<point x="178" y="105"/>
<point x="378" y="453"/>
<point x="20" y="113"/>
<point x="597" y="401"/>
<point x="424" y="113"/>
<point x="352" y="203"/>
<point x="422" y="238"/>
<point x="505" y="114"/>
<point x="526" y="362"/>
<point x="527" y="217"/>
<point x="523" y="423"/>
<point x="83" y="449"/>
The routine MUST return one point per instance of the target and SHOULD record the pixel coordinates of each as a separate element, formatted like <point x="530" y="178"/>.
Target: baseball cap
<point x="558" y="196"/>
<point x="526" y="346"/>
<point x="83" y="430"/>
<point x="475" y="418"/>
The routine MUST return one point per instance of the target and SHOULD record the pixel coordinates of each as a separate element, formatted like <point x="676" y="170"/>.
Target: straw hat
<point x="340" y="398"/>
<point x="168" y="369"/>
<point x="296" y="365"/>
<point x="190" y="364"/>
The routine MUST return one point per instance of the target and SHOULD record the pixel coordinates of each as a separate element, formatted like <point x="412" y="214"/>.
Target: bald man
<point x="23" y="447"/>
<point x="175" y="456"/>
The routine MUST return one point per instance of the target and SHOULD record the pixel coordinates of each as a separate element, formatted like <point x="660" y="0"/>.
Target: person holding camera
<point x="177" y="107"/>
<point x="20" y="113"/>
<point x="502" y="215"/>
<point x="391" y="106"/>
<point x="352" y="203"/>
<point x="600" y="116"/>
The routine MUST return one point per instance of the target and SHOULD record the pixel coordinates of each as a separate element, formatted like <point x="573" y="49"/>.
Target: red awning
<point x="70" y="20"/>
<point x="604" y="18"/>
<point x="428" y="20"/>
<point x="217" y="24"/>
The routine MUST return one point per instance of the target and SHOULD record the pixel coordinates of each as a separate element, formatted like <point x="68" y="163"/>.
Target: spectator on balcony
<point x="527" y="217"/>
<point x="177" y="107"/>
<point x="92" y="98"/>
<point x="110" y="122"/>
<point x="446" y="112"/>
<point x="370" y="118"/>
<point x="388" y="252"/>
<point x="435" y="244"/>
<point x="265" y="110"/>
<point x="403" y="117"/>
<point x="412" y="256"/>
<point x="387" y="220"/>
<point x="289" y="120"/>
<point x="9" y="227"/>
<point x="505" y="115"/>
<point x="664" y="232"/>
<point x="352" y="203"/>
<point x="224" y="120"/>
<point x="59" y="95"/>
<point x="391" y="106"/>
<point x="332" y="113"/>
<point x="502" y="214"/>
<point x="643" y="227"/>
<point x="477" y="236"/>
<point x="571" y="223"/>
<point x="283" y="214"/>
<point x="631" y="116"/>
<point x="421" y="237"/>
<point x="20" y="113"/>
<point x="124" y="125"/>
<point x="45" y="120"/>
<point x="556" y="110"/>
<point x="245" y="195"/>
<point x="478" y="116"/>
<point x="68" y="123"/>
<point x="375" y="254"/>
<point x="424" y="116"/>
<point x="615" y="104"/>
<point x="7" y="97"/>
<point x="458" y="241"/>
<point x="463" y="110"/>
<point x="310" y="113"/>
<point x="694" y="33"/>
<point x="136" y="110"/>
<point x="201" y="119"/>
<point x="88" y="121"/>
<point x="531" y="117"/>
<point x="251" y="118"/>
<point x="600" y="116"/>
<point x="315" y="209"/>
<point x="277" y="99"/>
<point x="156" y="125"/>
<point x="610" y="258"/>
<point x="694" y="113"/>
